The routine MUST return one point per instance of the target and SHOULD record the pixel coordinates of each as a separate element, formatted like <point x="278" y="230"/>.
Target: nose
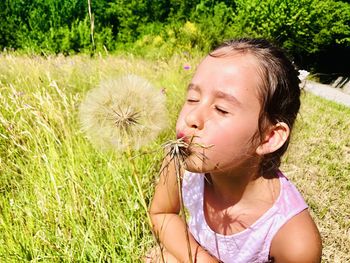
<point x="195" y="118"/>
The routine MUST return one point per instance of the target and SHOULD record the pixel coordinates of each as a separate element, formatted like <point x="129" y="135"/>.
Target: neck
<point x="235" y="185"/>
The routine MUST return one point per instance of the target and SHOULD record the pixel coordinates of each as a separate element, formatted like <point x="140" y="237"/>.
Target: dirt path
<point x="327" y="92"/>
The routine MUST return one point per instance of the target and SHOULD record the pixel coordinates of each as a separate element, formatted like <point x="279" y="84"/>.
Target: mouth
<point x="184" y="145"/>
<point x="187" y="145"/>
<point x="180" y="135"/>
<point x="187" y="139"/>
<point x="178" y="149"/>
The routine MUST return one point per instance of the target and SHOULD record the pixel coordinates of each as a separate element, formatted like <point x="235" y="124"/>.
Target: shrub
<point x="306" y="28"/>
<point x="214" y="21"/>
<point x="315" y="32"/>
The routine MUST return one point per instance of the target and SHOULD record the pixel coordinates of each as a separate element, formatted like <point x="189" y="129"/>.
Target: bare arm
<point x="167" y="224"/>
<point x="297" y="241"/>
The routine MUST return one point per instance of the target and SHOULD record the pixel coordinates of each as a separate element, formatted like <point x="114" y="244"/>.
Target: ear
<point x="273" y="139"/>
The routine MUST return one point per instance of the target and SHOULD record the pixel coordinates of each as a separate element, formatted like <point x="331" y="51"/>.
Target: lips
<point x="180" y="135"/>
<point x="186" y="138"/>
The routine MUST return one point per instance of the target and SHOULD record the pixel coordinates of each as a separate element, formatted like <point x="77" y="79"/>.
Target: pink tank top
<point x="251" y="245"/>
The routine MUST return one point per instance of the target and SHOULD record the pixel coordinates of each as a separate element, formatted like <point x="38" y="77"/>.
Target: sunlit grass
<point x="62" y="200"/>
<point x="319" y="164"/>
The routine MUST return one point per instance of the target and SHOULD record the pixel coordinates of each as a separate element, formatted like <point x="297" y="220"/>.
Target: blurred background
<point x="316" y="33"/>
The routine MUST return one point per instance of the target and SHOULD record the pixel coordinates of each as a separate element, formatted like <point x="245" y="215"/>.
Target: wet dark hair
<point x="279" y="90"/>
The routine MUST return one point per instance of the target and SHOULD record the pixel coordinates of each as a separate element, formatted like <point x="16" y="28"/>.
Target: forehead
<point x="236" y="75"/>
<point x="228" y="70"/>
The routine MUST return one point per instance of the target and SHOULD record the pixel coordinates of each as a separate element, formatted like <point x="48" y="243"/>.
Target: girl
<point x="241" y="105"/>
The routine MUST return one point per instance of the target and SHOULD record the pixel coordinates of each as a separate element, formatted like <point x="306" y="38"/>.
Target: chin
<point x="194" y="167"/>
<point x="193" y="170"/>
<point x="197" y="166"/>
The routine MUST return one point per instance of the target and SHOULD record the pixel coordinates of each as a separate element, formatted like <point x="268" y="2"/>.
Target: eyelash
<point x="221" y="111"/>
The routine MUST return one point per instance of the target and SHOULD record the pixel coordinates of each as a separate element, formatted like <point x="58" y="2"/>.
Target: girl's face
<point x="221" y="114"/>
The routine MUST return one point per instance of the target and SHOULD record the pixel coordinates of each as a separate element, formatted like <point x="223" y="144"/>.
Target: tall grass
<point x="63" y="201"/>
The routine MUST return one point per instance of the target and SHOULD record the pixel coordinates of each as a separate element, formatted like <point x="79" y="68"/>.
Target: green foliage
<point x="305" y="28"/>
<point x="11" y="23"/>
<point x="214" y="21"/>
<point x="299" y="25"/>
<point x="314" y="32"/>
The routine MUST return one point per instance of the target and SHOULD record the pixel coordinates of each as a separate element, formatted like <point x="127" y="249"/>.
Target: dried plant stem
<point x="178" y="151"/>
<point x="178" y="166"/>
<point x="91" y="16"/>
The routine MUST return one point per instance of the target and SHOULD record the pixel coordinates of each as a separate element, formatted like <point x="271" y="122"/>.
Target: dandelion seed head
<point x="123" y="112"/>
<point x="180" y="149"/>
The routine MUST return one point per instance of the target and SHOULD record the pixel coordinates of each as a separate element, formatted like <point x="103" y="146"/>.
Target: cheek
<point x="180" y="123"/>
<point x="239" y="137"/>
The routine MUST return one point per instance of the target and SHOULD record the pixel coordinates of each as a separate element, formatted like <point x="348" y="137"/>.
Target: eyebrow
<point x="228" y="97"/>
<point x="192" y="86"/>
<point x="219" y="94"/>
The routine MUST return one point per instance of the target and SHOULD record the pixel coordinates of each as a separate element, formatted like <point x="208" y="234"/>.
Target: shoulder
<point x="297" y="241"/>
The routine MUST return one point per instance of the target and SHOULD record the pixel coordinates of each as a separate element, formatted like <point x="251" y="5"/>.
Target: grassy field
<point x="63" y="201"/>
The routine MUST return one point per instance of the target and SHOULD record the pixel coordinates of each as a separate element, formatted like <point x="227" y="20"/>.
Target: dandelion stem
<point x="91" y="16"/>
<point x="178" y="151"/>
<point x="178" y="166"/>
<point x="142" y="197"/>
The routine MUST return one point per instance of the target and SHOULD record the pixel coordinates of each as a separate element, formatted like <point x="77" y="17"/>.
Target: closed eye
<point x="192" y="100"/>
<point x="221" y="110"/>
